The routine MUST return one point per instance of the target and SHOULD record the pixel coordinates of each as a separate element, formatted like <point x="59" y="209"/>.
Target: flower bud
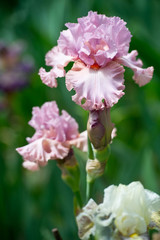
<point x="100" y="128"/>
<point x="100" y="132"/>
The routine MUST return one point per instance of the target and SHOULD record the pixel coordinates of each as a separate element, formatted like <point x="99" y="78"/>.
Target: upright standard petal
<point x="108" y="28"/>
<point x="96" y="89"/>
<point x="141" y="76"/>
<point x="120" y="35"/>
<point x="70" y="126"/>
<point x="95" y="38"/>
<point x="67" y="42"/>
<point x="41" y="117"/>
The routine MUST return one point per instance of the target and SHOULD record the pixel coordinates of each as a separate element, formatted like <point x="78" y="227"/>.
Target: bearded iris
<point x="98" y="46"/>
<point x="54" y="136"/>
<point x="126" y="210"/>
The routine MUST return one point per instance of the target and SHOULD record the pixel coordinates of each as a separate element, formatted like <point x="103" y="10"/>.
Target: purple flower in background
<point x="15" y="70"/>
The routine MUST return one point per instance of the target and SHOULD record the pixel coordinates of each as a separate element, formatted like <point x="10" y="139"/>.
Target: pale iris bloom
<point x="126" y="209"/>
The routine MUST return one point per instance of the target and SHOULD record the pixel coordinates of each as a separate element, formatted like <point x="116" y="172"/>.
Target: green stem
<point x="89" y="188"/>
<point x="89" y="183"/>
<point x="103" y="154"/>
<point x="78" y="198"/>
<point x="90" y="150"/>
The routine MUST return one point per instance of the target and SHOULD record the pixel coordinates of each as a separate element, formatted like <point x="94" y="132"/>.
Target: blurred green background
<point x="31" y="204"/>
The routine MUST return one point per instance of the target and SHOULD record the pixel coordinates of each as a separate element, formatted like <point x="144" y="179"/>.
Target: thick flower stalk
<point x="71" y="176"/>
<point x="101" y="131"/>
<point x="126" y="213"/>
<point x="98" y="46"/>
<point x="54" y="136"/>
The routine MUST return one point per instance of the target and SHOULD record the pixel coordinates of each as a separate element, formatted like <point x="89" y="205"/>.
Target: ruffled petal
<point x="43" y="150"/>
<point x="67" y="43"/>
<point x="103" y="57"/>
<point x="65" y="127"/>
<point x="141" y="76"/>
<point x="55" y="57"/>
<point x="80" y="142"/>
<point x="41" y="116"/>
<point x="85" y="220"/>
<point x="95" y="39"/>
<point x="153" y="200"/>
<point x="71" y="126"/>
<point x="92" y="21"/>
<point x="119" y="34"/>
<point x="59" y="127"/>
<point x="57" y="60"/>
<point x="43" y="133"/>
<point x="96" y="88"/>
<point x="48" y="78"/>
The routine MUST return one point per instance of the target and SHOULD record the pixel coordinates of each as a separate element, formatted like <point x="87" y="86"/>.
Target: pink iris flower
<point x="98" y="46"/>
<point x="55" y="135"/>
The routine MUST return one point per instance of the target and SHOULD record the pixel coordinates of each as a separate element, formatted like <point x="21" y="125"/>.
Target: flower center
<point x="95" y="66"/>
